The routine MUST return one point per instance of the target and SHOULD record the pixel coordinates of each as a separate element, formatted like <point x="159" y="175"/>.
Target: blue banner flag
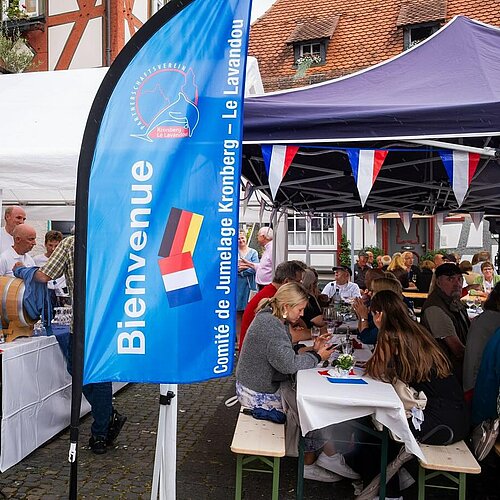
<point x="161" y="161"/>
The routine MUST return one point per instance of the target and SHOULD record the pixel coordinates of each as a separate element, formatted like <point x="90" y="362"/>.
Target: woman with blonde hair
<point x="268" y="358"/>
<point x="398" y="268"/>
<point x="267" y="355"/>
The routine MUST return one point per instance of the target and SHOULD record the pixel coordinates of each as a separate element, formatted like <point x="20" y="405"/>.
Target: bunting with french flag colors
<point x="340" y="217"/>
<point x="366" y="165"/>
<point x="371" y="218"/>
<point x="406" y="220"/>
<point x="439" y="219"/>
<point x="277" y="160"/>
<point x="477" y="218"/>
<point x="460" y="167"/>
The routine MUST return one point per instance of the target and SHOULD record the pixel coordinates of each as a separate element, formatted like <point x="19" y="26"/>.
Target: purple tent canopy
<point x="446" y="86"/>
<point x="443" y="93"/>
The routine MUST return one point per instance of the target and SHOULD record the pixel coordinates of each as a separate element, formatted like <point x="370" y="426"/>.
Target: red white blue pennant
<point x="365" y="164"/>
<point x="477" y="218"/>
<point x="406" y="218"/>
<point x="277" y="160"/>
<point x="460" y="167"/>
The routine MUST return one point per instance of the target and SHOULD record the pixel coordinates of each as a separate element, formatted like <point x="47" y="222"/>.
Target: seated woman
<point x="398" y="268"/>
<point x="268" y="358"/>
<point x="368" y="331"/>
<point x="424" y="277"/>
<point x="481" y="330"/>
<point x="313" y="315"/>
<point x="406" y="353"/>
<point x="487" y="280"/>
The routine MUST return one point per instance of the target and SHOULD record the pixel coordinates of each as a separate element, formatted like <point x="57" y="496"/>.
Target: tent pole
<point x="308" y="239"/>
<point x="490" y="152"/>
<point x="352" y="244"/>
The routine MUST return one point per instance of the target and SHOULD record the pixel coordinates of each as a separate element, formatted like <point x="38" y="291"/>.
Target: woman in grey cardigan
<point x="268" y="356"/>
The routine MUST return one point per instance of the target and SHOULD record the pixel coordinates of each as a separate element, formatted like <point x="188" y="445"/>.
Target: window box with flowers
<point x="305" y="62"/>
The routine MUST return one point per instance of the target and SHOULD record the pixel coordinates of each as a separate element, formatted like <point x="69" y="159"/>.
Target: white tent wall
<point x="44" y="115"/>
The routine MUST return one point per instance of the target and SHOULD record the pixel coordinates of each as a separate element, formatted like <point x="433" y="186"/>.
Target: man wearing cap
<point x="360" y="269"/>
<point x="445" y="316"/>
<point x="346" y="288"/>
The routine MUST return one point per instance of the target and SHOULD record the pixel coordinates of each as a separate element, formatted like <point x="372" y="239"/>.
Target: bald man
<point x="13" y="217"/>
<point x="24" y="241"/>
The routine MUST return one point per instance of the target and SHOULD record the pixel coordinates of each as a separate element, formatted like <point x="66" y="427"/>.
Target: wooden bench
<point x="257" y="440"/>
<point x="444" y="460"/>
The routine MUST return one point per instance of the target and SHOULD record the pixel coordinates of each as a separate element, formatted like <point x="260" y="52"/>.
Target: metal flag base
<point x="164" y="479"/>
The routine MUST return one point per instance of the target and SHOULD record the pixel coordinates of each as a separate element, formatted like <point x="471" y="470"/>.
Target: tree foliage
<point x="345" y="251"/>
<point x="15" y="56"/>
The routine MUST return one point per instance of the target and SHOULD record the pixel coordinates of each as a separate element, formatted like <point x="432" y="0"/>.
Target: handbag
<point x="414" y="402"/>
<point x="484" y="437"/>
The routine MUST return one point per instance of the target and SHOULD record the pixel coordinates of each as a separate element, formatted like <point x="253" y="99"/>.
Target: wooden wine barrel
<point x="13" y="312"/>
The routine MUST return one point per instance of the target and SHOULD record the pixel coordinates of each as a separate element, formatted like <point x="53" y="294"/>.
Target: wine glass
<point x="315" y="332"/>
<point x="338" y="319"/>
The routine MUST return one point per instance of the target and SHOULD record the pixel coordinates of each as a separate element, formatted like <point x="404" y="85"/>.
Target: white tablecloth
<point x="322" y="403"/>
<point x="36" y="396"/>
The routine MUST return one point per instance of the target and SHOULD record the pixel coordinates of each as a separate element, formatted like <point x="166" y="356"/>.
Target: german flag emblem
<point x="176" y="257"/>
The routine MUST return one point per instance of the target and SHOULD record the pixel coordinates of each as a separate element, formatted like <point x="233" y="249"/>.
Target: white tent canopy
<point x="44" y="116"/>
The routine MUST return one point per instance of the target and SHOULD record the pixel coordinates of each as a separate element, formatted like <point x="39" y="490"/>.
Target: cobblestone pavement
<point x="205" y="464"/>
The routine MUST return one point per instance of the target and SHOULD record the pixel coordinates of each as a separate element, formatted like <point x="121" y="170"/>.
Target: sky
<point x="259" y="7"/>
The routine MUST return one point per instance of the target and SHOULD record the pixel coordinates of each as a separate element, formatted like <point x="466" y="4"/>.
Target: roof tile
<point x="367" y="33"/>
<point x="312" y="29"/>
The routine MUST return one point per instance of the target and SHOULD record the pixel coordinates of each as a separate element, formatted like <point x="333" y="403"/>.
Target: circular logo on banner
<point x="163" y="103"/>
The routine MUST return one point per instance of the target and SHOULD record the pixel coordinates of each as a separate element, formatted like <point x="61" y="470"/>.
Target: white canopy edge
<point x="44" y="116"/>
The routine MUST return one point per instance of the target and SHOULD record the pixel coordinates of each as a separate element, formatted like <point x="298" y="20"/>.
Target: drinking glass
<point x="347" y="345"/>
<point x="328" y="313"/>
<point x="338" y="318"/>
<point x="315" y="331"/>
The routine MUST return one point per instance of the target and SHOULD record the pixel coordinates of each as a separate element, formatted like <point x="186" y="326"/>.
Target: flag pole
<point x="164" y="471"/>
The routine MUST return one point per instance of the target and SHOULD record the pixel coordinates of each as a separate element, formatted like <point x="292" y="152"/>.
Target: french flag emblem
<point x="366" y="165"/>
<point x="176" y="262"/>
<point x="277" y="160"/>
<point x="460" y="167"/>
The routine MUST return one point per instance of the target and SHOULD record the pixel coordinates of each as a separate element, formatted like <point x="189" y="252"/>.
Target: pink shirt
<point x="264" y="270"/>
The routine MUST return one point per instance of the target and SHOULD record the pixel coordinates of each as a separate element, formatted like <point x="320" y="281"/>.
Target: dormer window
<point x="420" y="19"/>
<point x="310" y="39"/>
<point x="413" y="35"/>
<point x="316" y="51"/>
